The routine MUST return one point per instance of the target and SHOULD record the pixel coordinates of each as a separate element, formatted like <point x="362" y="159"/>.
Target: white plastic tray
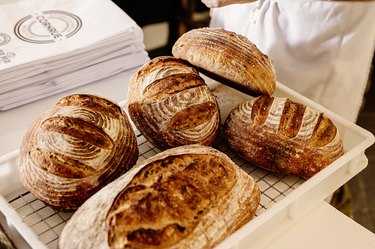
<point x="32" y="224"/>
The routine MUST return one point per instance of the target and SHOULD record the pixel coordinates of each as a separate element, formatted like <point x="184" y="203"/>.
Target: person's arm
<point x="221" y="3"/>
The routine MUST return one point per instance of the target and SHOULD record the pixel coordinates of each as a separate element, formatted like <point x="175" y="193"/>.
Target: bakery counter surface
<point x="292" y="212"/>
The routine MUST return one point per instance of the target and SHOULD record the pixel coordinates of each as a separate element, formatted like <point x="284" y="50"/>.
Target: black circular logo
<point x="48" y="27"/>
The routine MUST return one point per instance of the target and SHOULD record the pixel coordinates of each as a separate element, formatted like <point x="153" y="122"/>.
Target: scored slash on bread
<point x="229" y="58"/>
<point x="282" y="135"/>
<point x="75" y="148"/>
<point x="171" y="105"/>
<point x="190" y="196"/>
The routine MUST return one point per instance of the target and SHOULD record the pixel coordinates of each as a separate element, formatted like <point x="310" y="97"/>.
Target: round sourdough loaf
<point x="282" y="135"/>
<point x="191" y="196"/>
<point x="171" y="105"/>
<point x="74" y="149"/>
<point x="229" y="58"/>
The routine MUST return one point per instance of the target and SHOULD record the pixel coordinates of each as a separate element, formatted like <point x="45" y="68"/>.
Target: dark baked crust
<point x="229" y="58"/>
<point x="173" y="202"/>
<point x="74" y="149"/>
<point x="187" y="197"/>
<point x="171" y="105"/>
<point x="283" y="135"/>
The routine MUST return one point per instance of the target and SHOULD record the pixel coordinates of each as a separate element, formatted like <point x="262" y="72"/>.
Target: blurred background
<point x="164" y="21"/>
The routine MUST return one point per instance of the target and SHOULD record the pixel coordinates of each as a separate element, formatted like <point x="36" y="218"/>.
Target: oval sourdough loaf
<point x="75" y="148"/>
<point x="171" y="105"/>
<point x="229" y="58"/>
<point x="282" y="135"/>
<point x="191" y="196"/>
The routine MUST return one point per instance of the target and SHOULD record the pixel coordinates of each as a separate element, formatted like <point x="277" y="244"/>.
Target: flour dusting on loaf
<point x="282" y="135"/>
<point x="75" y="148"/>
<point x="171" y="105"/>
<point x="229" y="58"/>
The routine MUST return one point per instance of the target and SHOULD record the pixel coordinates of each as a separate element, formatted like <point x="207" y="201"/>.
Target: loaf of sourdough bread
<point x="228" y="58"/>
<point x="282" y="135"/>
<point x="75" y="148"/>
<point x="171" y="105"/>
<point x="191" y="196"/>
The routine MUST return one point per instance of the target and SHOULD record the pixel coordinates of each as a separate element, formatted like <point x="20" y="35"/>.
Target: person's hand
<point x="221" y="3"/>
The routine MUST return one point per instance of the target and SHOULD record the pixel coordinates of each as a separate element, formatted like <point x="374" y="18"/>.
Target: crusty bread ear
<point x="74" y="149"/>
<point x="191" y="196"/>
<point x="282" y="135"/>
<point x="171" y="105"/>
<point x="229" y="58"/>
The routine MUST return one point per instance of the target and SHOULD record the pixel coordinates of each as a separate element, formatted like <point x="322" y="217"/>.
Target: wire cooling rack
<point x="47" y="223"/>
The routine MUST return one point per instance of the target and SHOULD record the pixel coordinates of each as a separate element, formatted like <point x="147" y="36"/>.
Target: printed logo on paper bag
<point x="48" y="27"/>
<point x="4" y="39"/>
<point x="6" y="57"/>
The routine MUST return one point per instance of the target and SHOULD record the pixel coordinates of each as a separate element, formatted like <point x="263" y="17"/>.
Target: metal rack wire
<point x="47" y="223"/>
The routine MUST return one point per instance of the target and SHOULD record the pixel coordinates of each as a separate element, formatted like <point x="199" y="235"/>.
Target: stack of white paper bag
<point x="47" y="47"/>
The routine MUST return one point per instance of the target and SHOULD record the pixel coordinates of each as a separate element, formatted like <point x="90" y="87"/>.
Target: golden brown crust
<point x="229" y="58"/>
<point x="324" y="132"/>
<point x="283" y="135"/>
<point x="92" y="102"/>
<point x="188" y="197"/>
<point x="74" y="149"/>
<point x="171" y="105"/>
<point x="60" y="165"/>
<point x="172" y="84"/>
<point x="80" y="129"/>
<point x="171" y="205"/>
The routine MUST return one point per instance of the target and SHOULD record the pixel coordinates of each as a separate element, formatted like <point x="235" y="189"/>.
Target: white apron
<point x="321" y="49"/>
